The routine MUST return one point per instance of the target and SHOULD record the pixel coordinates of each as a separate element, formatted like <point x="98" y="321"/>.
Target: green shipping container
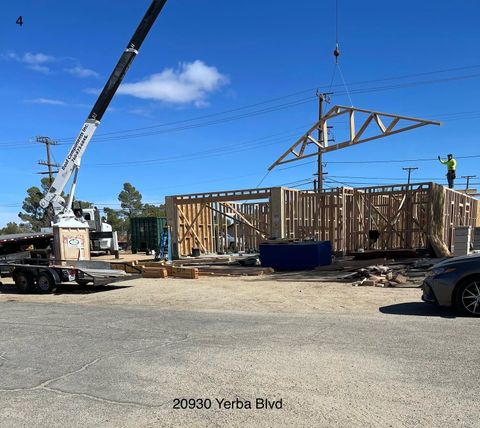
<point x="146" y="233"/>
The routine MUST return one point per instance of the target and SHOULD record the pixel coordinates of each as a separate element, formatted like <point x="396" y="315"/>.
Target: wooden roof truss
<point x="384" y="125"/>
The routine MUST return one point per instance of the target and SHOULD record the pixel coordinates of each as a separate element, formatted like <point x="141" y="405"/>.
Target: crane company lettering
<point x="77" y="147"/>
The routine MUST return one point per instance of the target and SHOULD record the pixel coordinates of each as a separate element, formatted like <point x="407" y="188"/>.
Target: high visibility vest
<point x="451" y="164"/>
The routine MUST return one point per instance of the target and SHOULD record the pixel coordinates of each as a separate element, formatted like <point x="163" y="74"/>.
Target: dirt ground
<point x="278" y="293"/>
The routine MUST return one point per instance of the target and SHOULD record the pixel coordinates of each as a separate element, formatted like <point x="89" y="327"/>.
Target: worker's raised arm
<point x="442" y="161"/>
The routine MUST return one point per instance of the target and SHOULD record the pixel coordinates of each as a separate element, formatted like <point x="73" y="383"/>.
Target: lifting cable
<point x="336" y="54"/>
<point x="263" y="179"/>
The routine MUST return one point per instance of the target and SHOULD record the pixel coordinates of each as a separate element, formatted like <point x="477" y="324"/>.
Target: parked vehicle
<point x="102" y="237"/>
<point x="455" y="283"/>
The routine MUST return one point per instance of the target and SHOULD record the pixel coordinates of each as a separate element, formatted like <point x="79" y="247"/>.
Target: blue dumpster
<point x="295" y="255"/>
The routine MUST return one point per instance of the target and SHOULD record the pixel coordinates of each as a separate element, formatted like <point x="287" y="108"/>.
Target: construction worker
<point x="452" y="168"/>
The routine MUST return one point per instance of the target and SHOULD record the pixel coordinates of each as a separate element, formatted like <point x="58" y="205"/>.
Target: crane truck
<point x="44" y="275"/>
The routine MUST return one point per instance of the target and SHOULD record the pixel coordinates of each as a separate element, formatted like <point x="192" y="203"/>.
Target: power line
<point x="369" y="184"/>
<point x="254" y="113"/>
<point x="251" y="144"/>
<point x="303" y="91"/>
<point x="379" y="161"/>
<point x="301" y="183"/>
<point x="124" y="133"/>
<point x="384" y="178"/>
<point x="106" y="138"/>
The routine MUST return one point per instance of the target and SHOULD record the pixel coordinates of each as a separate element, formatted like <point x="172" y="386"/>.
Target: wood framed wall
<point x="318" y="216"/>
<point x="459" y="209"/>
<point x="404" y="217"/>
<point x="219" y="221"/>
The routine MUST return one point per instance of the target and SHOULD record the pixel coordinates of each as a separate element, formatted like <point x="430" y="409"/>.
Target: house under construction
<point x="416" y="216"/>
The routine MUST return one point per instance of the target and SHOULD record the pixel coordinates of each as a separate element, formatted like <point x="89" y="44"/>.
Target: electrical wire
<point x="384" y="178"/>
<point x="379" y="161"/>
<point x="14" y="144"/>
<point x="251" y="144"/>
<point x="255" y="113"/>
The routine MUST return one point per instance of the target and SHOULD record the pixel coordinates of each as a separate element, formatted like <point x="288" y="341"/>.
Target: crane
<point x="63" y="209"/>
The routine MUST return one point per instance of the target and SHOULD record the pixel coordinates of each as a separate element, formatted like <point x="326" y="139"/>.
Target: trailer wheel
<point x="45" y="283"/>
<point x="23" y="281"/>
<point x="83" y="282"/>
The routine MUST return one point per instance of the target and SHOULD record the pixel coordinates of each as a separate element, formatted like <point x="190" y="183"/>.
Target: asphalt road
<point x="80" y="365"/>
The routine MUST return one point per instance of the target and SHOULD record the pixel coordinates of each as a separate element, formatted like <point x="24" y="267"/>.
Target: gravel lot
<point x="285" y="293"/>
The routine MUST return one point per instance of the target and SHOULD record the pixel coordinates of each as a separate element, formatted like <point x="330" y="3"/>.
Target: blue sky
<point x="204" y="58"/>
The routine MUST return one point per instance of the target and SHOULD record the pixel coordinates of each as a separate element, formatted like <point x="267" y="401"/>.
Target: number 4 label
<point x="19" y="21"/>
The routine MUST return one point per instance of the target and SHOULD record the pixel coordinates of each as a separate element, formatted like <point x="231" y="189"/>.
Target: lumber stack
<point x="162" y="270"/>
<point x="183" y="272"/>
<point x="154" y="272"/>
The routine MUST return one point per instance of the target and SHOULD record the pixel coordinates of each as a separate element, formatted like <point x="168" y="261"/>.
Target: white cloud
<point x="40" y="68"/>
<point x="35" y="62"/>
<point x="35" y="59"/>
<point x="40" y="62"/>
<point x="189" y="83"/>
<point x="48" y="101"/>
<point x="79" y="71"/>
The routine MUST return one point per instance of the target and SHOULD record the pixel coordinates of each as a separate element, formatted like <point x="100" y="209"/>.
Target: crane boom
<point x="71" y="163"/>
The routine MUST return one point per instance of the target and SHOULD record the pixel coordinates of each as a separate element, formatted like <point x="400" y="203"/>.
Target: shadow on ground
<point x="65" y="289"/>
<point x="419" y="309"/>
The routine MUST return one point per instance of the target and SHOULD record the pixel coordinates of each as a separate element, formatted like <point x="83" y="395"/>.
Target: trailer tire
<point x="23" y="281"/>
<point x="83" y="282"/>
<point x="45" y="283"/>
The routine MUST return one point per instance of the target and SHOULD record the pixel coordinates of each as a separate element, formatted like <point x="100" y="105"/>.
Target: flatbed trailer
<point x="18" y="242"/>
<point x="31" y="275"/>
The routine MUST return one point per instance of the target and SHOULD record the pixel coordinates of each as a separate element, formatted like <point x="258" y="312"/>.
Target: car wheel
<point x="45" y="283"/>
<point x="468" y="297"/>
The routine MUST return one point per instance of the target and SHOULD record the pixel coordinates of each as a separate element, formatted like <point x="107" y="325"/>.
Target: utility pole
<point x="315" y="181"/>
<point x="409" y="169"/>
<point x="322" y="96"/>
<point x="468" y="177"/>
<point x="48" y="163"/>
